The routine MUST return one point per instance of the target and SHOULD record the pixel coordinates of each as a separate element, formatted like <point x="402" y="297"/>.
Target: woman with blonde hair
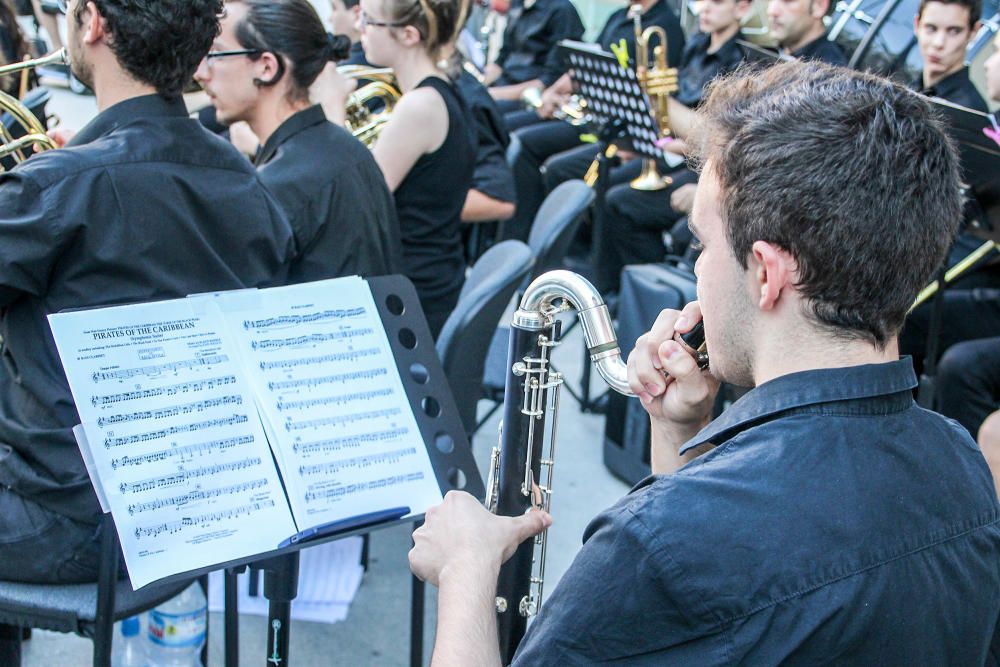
<point x="427" y="149"/>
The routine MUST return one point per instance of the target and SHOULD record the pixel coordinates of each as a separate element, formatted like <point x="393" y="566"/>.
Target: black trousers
<point x="968" y="382"/>
<point x="634" y="224"/>
<point x="538" y="143"/>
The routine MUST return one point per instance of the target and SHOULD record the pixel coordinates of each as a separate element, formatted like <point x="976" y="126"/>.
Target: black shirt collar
<point x="956" y="88"/>
<point x="126" y="111"/>
<point x="870" y="389"/>
<point x="821" y="49"/>
<point x="295" y="123"/>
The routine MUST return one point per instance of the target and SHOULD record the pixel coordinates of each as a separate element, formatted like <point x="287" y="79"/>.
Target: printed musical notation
<point x="299" y="341"/>
<point x="335" y="467"/>
<point x="159" y="369"/>
<point x="338" y="492"/>
<point x="186" y="453"/>
<point x="354" y="441"/>
<point x="233" y="420"/>
<point x="169" y="390"/>
<point x="179" y="399"/>
<point x="351" y="355"/>
<point x="309" y="318"/>
<point x="195" y="496"/>
<point x="172" y="411"/>
<point x="178" y="433"/>
<point x="206" y="519"/>
<point x="341" y="420"/>
<point x="341" y="378"/>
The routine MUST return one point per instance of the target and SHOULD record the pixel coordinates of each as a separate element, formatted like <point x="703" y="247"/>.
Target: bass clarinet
<point x="526" y="449"/>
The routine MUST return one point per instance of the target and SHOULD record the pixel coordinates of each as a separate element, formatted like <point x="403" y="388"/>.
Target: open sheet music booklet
<point x="217" y="427"/>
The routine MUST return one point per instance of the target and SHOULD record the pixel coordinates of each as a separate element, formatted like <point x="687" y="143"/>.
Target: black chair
<point x="465" y="337"/>
<point x="552" y="232"/>
<point x="88" y="610"/>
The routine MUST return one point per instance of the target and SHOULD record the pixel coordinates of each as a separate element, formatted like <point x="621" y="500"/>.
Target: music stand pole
<point x="281" y="585"/>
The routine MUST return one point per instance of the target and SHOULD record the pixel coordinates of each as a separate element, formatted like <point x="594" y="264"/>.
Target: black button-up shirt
<point x="956" y="88"/>
<point x="534" y="27"/>
<point x="699" y="67"/>
<point x="146" y="204"/>
<point x="492" y="176"/>
<point x="835" y="522"/>
<point x="619" y="26"/>
<point x="335" y="197"/>
<point x="823" y="50"/>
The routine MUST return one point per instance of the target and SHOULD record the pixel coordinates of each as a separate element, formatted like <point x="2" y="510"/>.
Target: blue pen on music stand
<point x="346" y="525"/>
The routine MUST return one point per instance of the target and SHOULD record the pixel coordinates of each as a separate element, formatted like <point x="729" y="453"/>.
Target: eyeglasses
<point x="366" y="21"/>
<point x="211" y="55"/>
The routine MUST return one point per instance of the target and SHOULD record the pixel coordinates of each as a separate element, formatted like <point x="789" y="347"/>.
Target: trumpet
<point x="364" y="124"/>
<point x="34" y="136"/>
<point x="658" y="84"/>
<point x="523" y="462"/>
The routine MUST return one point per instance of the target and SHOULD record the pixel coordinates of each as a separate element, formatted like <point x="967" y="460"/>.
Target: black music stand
<point x="451" y="458"/>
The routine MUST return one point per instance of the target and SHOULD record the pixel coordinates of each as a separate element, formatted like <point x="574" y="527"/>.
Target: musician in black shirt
<point x="143" y="204"/>
<point x="944" y="29"/>
<point x="528" y="56"/>
<point x="328" y="183"/>
<point x="542" y="142"/>
<point x="344" y="18"/>
<point x="798" y="27"/>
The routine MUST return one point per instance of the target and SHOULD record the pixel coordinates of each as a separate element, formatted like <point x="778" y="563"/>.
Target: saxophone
<point x="526" y="451"/>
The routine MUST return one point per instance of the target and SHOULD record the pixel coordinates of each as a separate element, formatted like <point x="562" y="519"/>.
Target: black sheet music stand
<point x="442" y="432"/>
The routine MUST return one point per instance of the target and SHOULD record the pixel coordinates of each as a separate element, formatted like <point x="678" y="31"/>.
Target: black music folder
<point x="223" y="428"/>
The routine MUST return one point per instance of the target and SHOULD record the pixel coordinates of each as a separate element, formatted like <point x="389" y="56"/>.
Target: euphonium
<point x="361" y="121"/>
<point x="658" y="84"/>
<point x="528" y="435"/>
<point x="34" y="130"/>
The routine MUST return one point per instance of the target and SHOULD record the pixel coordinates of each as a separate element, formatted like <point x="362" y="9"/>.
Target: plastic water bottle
<point x="128" y="650"/>
<point x="176" y="630"/>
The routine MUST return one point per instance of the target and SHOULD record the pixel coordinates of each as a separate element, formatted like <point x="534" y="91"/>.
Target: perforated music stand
<point x="440" y="428"/>
<point x="613" y="93"/>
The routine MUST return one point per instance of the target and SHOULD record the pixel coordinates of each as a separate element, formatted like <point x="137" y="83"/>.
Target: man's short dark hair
<point x="850" y="173"/>
<point x="975" y="8"/>
<point x="160" y="42"/>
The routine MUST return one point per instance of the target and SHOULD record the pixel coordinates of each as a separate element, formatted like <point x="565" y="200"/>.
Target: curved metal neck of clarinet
<point x="558" y="291"/>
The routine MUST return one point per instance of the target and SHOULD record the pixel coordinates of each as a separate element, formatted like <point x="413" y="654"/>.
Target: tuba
<point x="522" y="464"/>
<point x="34" y="137"/>
<point x="658" y="84"/>
<point x="364" y="124"/>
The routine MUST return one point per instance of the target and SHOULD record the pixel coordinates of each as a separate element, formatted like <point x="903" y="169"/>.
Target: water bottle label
<point x="177" y="630"/>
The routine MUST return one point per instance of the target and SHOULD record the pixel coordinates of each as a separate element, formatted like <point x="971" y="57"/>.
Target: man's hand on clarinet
<point x="462" y="538"/>
<point x="665" y="376"/>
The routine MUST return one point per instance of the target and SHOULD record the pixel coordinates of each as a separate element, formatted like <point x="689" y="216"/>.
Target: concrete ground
<point x="376" y="631"/>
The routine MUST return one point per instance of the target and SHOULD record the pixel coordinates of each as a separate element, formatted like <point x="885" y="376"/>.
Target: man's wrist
<point x="674" y="434"/>
<point x="470" y="574"/>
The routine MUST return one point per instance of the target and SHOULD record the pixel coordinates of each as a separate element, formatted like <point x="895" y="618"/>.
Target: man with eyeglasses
<point x="142" y="204"/>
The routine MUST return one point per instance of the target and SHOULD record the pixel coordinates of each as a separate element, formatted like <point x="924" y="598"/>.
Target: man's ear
<point x="92" y="24"/>
<point x="266" y="68"/>
<point x="819" y="8"/>
<point x="774" y="270"/>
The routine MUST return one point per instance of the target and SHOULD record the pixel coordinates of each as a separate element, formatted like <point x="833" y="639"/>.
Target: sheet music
<point x="332" y="399"/>
<point x="174" y="435"/>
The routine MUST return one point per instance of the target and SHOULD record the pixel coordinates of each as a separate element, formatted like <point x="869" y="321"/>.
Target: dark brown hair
<point x="975" y="8"/>
<point x="850" y="173"/>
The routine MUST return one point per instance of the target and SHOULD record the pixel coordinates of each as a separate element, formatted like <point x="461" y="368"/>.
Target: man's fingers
<point x="677" y="362"/>
<point x="688" y="317"/>
<point x="528" y="525"/>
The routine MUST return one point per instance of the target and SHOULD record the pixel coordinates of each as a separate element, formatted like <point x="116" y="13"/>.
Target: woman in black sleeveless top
<point x="427" y="149"/>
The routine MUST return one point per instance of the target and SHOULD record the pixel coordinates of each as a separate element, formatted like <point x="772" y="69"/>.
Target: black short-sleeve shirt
<point x="956" y="88"/>
<point x="699" y="67"/>
<point x="823" y="50"/>
<point x="145" y="204"/>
